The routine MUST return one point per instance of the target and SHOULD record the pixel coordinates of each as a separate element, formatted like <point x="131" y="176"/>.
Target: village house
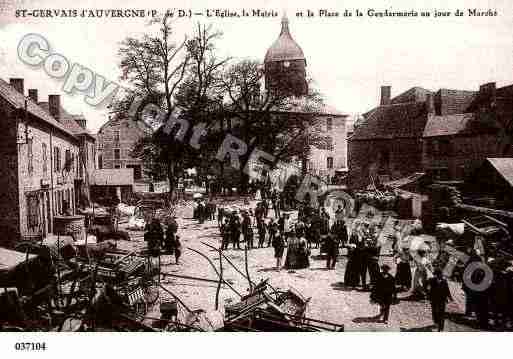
<point x="86" y="161"/>
<point x="115" y="142"/>
<point x="40" y="164"/>
<point x="447" y="135"/>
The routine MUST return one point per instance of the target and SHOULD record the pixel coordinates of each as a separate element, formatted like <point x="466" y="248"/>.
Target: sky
<point x="348" y="58"/>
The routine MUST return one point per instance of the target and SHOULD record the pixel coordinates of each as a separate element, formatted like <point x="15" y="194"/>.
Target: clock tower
<point x="285" y="65"/>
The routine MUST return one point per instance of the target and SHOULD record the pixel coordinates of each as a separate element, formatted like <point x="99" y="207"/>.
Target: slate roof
<point x="16" y="99"/>
<point x="448" y="125"/>
<point x="404" y="120"/>
<point x="504" y="167"/>
<point x="69" y="121"/>
<point x="415" y="94"/>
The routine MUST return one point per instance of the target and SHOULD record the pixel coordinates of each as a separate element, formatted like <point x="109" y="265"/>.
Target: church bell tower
<point x="285" y="65"/>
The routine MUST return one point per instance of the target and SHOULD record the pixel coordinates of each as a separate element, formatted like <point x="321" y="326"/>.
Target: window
<point x="93" y="151"/>
<point x="439" y="174"/>
<point x="329" y="124"/>
<point x="445" y="146"/>
<point x="117" y="165"/>
<point x="56" y="159"/>
<point x="67" y="160"/>
<point x="116" y="135"/>
<point x="117" y="153"/>
<point x="137" y="171"/>
<point x="32" y="211"/>
<point x="441" y="147"/>
<point x="30" y="157"/>
<point x="45" y="163"/>
<point x="100" y="162"/>
<point x="329" y="162"/>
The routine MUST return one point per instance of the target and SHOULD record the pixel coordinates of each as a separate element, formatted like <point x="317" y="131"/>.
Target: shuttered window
<point x="32" y="211"/>
<point x="45" y="159"/>
<point x="30" y="156"/>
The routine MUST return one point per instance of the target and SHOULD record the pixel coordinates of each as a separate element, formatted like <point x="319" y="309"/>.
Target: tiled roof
<point x="448" y="125"/>
<point x="504" y="167"/>
<point x="415" y="94"/>
<point x="11" y="95"/>
<point x="115" y="120"/>
<point x="405" y="120"/>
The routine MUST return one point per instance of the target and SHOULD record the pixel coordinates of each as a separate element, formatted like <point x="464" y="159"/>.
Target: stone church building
<point x="285" y="70"/>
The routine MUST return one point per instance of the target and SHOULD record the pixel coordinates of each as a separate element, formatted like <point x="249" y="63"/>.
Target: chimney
<point x="33" y="94"/>
<point x="54" y="106"/>
<point x="17" y="83"/>
<point x="430" y="104"/>
<point x="385" y="95"/>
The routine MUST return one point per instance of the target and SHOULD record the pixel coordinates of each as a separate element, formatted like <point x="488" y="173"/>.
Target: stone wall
<point x="60" y="184"/>
<point x="467" y="153"/>
<point x="366" y="157"/>
<point x="9" y="212"/>
<point x="129" y="134"/>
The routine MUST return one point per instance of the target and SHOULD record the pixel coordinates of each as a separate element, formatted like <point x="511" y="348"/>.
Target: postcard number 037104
<point x="30" y="346"/>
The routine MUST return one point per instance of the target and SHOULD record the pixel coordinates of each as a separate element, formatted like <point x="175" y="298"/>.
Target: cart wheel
<point x="151" y="294"/>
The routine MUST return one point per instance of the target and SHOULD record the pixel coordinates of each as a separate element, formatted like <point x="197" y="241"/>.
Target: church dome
<point x="284" y="48"/>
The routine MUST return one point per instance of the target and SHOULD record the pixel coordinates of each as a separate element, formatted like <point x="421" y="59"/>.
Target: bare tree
<point x="278" y="122"/>
<point x="154" y="66"/>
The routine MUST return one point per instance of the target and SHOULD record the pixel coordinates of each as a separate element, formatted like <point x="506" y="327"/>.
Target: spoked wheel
<point x="151" y="294"/>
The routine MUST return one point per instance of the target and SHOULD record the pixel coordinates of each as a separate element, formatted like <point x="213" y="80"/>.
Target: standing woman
<point x="261" y="227"/>
<point x="421" y="274"/>
<point x="403" y="275"/>
<point x="352" y="273"/>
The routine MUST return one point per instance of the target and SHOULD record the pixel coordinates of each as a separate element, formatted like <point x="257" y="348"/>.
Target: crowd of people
<point x="163" y="239"/>
<point x="419" y="274"/>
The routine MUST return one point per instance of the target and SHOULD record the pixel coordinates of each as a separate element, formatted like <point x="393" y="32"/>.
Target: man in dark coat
<point x="439" y="295"/>
<point x="171" y="230"/>
<point x="154" y="235"/>
<point x="247" y="230"/>
<point x="325" y="220"/>
<point x="383" y="292"/>
<point x="339" y="229"/>
<point x="235" y="229"/>
<point x="332" y="251"/>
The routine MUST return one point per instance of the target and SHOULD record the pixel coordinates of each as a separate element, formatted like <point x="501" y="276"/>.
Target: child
<point x="261" y="233"/>
<point x="279" y="247"/>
